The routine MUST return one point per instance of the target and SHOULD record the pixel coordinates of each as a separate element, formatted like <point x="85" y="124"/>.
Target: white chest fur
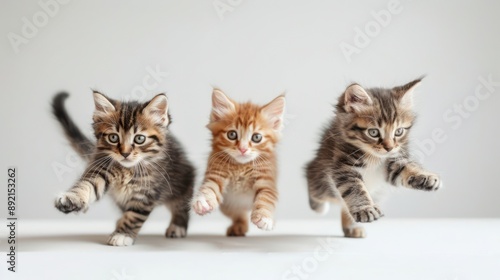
<point x="239" y="195"/>
<point x="375" y="178"/>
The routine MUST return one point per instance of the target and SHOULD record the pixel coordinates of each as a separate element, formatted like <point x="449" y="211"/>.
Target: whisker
<point x="155" y="165"/>
<point x="92" y="165"/>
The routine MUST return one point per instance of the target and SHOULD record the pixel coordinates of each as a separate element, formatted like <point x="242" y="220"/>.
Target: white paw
<point x="200" y="205"/>
<point x="203" y="205"/>
<point x="119" y="239"/>
<point x="175" y="231"/>
<point x="263" y="222"/>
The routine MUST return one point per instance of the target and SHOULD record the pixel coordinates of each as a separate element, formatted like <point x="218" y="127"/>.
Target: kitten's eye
<point x="232" y="135"/>
<point x="373" y="132"/>
<point x="113" y="138"/>
<point x="256" y="137"/>
<point x="139" y="139"/>
<point x="399" y="131"/>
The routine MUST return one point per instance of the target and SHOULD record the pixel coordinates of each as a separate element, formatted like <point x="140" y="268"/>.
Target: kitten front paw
<point x="367" y="214"/>
<point x="204" y="204"/>
<point x="175" y="231"/>
<point x="120" y="239"/>
<point x="262" y="221"/>
<point x="426" y="182"/>
<point x="70" y="202"/>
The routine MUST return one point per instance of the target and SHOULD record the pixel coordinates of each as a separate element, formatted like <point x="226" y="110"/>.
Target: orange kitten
<point x="241" y="172"/>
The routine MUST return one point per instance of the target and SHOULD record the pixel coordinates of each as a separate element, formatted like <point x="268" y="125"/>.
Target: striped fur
<point x="241" y="172"/>
<point x="351" y="165"/>
<point x="78" y="140"/>
<point x="139" y="176"/>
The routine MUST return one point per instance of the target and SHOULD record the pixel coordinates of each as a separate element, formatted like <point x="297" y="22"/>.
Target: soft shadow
<point x="44" y="242"/>
<point x="192" y="243"/>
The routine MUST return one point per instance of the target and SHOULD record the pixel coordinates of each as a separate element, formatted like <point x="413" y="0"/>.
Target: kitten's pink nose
<point x="125" y="155"/>
<point x="243" y="150"/>
<point x="388" y="148"/>
<point x="388" y="145"/>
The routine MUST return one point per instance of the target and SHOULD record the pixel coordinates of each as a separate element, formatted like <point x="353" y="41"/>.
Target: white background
<point x="254" y="52"/>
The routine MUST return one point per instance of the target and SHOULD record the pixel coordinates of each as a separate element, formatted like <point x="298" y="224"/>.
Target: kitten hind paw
<point x="237" y="229"/>
<point x="320" y="207"/>
<point x="175" y="231"/>
<point x="354" y="232"/>
<point x="120" y="239"/>
<point x="70" y="202"/>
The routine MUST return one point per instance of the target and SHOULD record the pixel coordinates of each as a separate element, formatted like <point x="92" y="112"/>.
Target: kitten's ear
<point x="103" y="105"/>
<point x="275" y="110"/>
<point x="157" y="110"/>
<point x="356" y="98"/>
<point x="221" y="105"/>
<point x="405" y="93"/>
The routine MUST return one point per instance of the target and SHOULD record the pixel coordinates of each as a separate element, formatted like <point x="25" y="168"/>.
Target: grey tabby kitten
<point x="135" y="159"/>
<point x="366" y="146"/>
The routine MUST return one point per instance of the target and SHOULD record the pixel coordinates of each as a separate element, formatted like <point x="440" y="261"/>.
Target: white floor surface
<point x="444" y="249"/>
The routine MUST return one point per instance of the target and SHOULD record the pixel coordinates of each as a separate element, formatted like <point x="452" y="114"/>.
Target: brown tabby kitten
<point x="135" y="159"/>
<point x="241" y="172"/>
<point x="366" y="146"/>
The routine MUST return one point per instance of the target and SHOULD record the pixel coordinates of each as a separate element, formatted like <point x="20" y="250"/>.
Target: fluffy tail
<point x="82" y="145"/>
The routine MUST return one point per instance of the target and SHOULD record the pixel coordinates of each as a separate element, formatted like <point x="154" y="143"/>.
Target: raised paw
<point x="367" y="214"/>
<point x="426" y="182"/>
<point x="203" y="204"/>
<point x="175" y="231"/>
<point x="120" y="239"/>
<point x="262" y="221"/>
<point x="70" y="202"/>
